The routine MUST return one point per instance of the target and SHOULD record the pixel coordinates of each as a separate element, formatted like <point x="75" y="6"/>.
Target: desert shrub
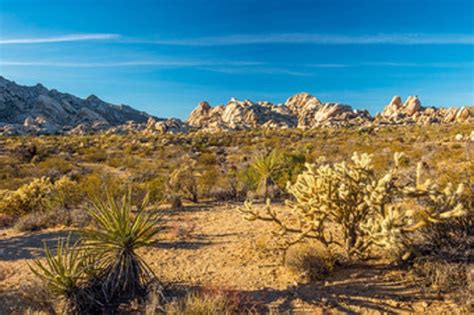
<point x="40" y="195"/>
<point x="6" y="220"/>
<point x="208" y="302"/>
<point x="369" y="210"/>
<point x="54" y="167"/>
<point x="435" y="275"/>
<point x="207" y="181"/>
<point x="26" y="152"/>
<point x="309" y="262"/>
<point x="182" y="182"/>
<point x="93" y="185"/>
<point x="55" y="217"/>
<point x="444" y="256"/>
<point x="38" y="220"/>
<point x="227" y="185"/>
<point x="9" y="169"/>
<point x="295" y="164"/>
<point x="66" y="193"/>
<point x="93" y="155"/>
<point x="155" y="188"/>
<point x="207" y="159"/>
<point x="442" y="276"/>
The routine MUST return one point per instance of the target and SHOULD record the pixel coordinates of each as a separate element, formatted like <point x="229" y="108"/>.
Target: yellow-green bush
<point x="39" y="195"/>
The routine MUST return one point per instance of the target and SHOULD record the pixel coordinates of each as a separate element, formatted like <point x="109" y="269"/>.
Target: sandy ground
<point x="211" y="247"/>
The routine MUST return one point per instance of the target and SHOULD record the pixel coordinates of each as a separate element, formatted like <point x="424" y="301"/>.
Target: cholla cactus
<point x="370" y="210"/>
<point x="391" y="229"/>
<point x="39" y="195"/>
<point x="28" y="198"/>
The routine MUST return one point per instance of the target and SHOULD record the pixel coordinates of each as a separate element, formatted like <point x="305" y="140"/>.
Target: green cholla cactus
<point x="39" y="195"/>
<point x="371" y="210"/>
<point x="28" y="198"/>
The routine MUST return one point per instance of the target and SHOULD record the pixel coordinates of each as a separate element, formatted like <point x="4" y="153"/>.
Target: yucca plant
<point x="122" y="274"/>
<point x="63" y="274"/>
<point x="267" y="168"/>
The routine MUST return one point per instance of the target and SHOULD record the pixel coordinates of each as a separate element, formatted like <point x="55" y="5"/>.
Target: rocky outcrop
<point x="171" y="125"/>
<point x="37" y="110"/>
<point x="412" y="112"/>
<point x="301" y="110"/>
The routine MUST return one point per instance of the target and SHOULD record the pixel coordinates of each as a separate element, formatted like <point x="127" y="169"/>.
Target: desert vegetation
<point x="260" y="221"/>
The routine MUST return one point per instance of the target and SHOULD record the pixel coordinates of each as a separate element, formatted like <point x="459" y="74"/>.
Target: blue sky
<point x="166" y="56"/>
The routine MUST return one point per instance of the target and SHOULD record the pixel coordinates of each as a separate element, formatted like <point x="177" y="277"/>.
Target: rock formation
<point x="37" y="110"/>
<point x="412" y="112"/>
<point x="301" y="110"/>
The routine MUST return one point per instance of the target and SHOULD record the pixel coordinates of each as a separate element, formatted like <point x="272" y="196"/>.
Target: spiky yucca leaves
<point x="267" y="168"/>
<point x="122" y="274"/>
<point x="63" y="274"/>
<point x="371" y="210"/>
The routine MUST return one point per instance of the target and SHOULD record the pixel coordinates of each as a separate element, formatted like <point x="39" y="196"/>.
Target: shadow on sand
<point x="365" y="290"/>
<point x="31" y="246"/>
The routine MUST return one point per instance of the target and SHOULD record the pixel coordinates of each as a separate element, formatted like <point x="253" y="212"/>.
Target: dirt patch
<point x="216" y="248"/>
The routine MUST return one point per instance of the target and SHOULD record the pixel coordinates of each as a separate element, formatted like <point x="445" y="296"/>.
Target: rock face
<point x="411" y="112"/>
<point x="37" y="110"/>
<point x="301" y="110"/>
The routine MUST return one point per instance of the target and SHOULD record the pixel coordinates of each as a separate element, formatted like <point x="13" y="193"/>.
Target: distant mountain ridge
<point x="35" y="109"/>
<point x="38" y="110"/>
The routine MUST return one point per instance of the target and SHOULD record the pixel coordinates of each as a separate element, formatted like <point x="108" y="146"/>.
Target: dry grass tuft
<point x="309" y="262"/>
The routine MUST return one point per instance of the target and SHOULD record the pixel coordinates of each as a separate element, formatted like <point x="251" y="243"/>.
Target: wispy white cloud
<point x="254" y="39"/>
<point x="395" y="65"/>
<point x="222" y="66"/>
<point x="132" y="63"/>
<point x="308" y="38"/>
<point x="420" y="65"/>
<point x="57" y="39"/>
<point x="237" y="67"/>
<point x="257" y="69"/>
<point x="328" y="65"/>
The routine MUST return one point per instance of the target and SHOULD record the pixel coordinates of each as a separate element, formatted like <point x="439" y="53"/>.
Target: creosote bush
<point x="370" y="211"/>
<point x="36" y="221"/>
<point x="182" y="183"/>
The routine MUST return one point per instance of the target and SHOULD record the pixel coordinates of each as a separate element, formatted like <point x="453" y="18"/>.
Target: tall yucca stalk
<point x="63" y="274"/>
<point x="119" y="233"/>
